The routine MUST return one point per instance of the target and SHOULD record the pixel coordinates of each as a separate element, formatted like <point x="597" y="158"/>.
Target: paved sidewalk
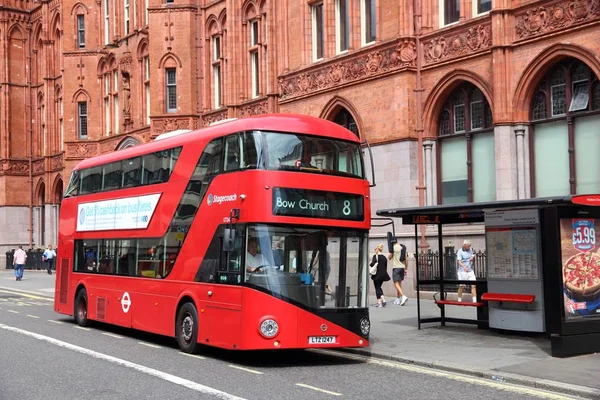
<point x="460" y="348"/>
<point x="514" y="358"/>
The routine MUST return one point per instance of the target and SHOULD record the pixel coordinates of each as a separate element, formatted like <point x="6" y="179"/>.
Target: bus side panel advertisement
<point x="127" y="213"/>
<point x="580" y="267"/>
<point x="318" y="204"/>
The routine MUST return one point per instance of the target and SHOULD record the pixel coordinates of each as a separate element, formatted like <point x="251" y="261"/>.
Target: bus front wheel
<point x="81" y="308"/>
<point x="186" y="328"/>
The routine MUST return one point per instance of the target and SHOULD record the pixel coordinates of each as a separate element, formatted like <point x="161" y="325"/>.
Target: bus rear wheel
<point x="81" y="308"/>
<point x="186" y="328"/>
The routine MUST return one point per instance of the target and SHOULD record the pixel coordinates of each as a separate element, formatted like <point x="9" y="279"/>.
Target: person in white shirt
<point x="253" y="258"/>
<point x="49" y="256"/>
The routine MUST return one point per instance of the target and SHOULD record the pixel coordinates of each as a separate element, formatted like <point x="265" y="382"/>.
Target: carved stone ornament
<point x="539" y="20"/>
<point x="169" y="124"/>
<point x="14" y="167"/>
<point x="38" y="167"/>
<point x="56" y="162"/>
<point x="208" y="119"/>
<point x="388" y="58"/>
<point x="472" y="40"/>
<point x="125" y="63"/>
<point x="81" y="150"/>
<point x="255" y="108"/>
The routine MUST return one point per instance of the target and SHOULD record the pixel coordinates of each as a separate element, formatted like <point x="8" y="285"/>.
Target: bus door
<point x="220" y="323"/>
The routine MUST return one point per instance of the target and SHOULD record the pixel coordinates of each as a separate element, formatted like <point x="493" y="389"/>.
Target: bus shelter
<point x="542" y="267"/>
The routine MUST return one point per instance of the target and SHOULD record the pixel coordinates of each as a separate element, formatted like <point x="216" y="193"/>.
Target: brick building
<point x="461" y="100"/>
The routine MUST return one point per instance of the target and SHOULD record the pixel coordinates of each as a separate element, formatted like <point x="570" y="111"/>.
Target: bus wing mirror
<point x="228" y="239"/>
<point x="372" y="165"/>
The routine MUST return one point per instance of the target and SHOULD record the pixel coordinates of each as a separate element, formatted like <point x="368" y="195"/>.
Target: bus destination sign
<point x="317" y="204"/>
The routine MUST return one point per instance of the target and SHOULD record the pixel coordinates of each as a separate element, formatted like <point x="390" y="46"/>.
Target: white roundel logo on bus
<point x="324" y="328"/>
<point x="126" y="302"/>
<point x="209" y="200"/>
<point x="81" y="215"/>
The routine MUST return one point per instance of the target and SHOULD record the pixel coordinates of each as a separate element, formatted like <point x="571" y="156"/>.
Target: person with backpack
<point x="398" y="258"/>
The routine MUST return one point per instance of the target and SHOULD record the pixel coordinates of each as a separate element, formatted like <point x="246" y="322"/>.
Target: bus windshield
<point x="314" y="268"/>
<point x="285" y="151"/>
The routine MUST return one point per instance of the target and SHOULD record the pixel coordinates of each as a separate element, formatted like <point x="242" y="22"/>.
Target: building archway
<point x="465" y="149"/>
<point x="127" y="142"/>
<point x="564" y="114"/>
<point x="40" y="211"/>
<point x="343" y="113"/>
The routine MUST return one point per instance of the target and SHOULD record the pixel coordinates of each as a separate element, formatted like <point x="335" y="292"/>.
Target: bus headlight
<point x="269" y="328"/>
<point x="365" y="326"/>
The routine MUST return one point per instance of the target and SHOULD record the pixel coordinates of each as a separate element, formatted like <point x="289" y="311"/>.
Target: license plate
<point x="321" y="339"/>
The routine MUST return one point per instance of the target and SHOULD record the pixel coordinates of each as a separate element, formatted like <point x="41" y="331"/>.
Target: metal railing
<point x="33" y="262"/>
<point x="429" y="267"/>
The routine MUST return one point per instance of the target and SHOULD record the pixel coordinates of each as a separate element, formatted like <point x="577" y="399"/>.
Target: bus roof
<point x="292" y="123"/>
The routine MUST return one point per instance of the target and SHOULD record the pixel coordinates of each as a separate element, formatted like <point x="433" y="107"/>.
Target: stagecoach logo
<point x="82" y="215"/>
<point x="220" y="199"/>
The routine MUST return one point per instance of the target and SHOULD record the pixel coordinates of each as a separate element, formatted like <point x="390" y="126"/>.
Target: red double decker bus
<point x="250" y="234"/>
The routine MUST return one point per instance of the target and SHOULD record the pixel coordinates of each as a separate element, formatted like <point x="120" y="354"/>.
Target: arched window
<point x="345" y="119"/>
<point x="565" y="113"/>
<point x="466" y="148"/>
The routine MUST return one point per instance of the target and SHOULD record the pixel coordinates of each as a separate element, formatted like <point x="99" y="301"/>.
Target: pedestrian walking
<point x="398" y="258"/>
<point x="379" y="274"/>
<point x="19" y="259"/>
<point x="48" y="257"/>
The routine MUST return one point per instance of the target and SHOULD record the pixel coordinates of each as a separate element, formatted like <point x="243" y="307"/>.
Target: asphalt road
<point x="44" y="355"/>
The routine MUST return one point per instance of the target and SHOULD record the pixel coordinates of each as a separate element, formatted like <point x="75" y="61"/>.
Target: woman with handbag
<point x="379" y="274"/>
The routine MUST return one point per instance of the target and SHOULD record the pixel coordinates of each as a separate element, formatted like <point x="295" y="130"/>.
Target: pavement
<point x="499" y="356"/>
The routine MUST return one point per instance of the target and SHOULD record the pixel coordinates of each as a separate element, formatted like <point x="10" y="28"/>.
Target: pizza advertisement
<point x="580" y="249"/>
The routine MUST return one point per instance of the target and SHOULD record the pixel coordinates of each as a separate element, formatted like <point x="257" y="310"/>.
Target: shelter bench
<point x="508" y="297"/>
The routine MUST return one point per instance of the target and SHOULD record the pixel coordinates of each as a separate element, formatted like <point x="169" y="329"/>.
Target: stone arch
<point x="111" y="61"/>
<point x="538" y="68"/>
<point x="57" y="190"/>
<point x="249" y="10"/>
<point x="77" y="8"/>
<point x="223" y="19"/>
<point x="55" y="24"/>
<point x="129" y="141"/>
<point x="436" y="99"/>
<point x="337" y="104"/>
<point x="212" y="25"/>
<point x="39" y="197"/>
<point x="79" y="94"/>
<point x="263" y="6"/>
<point x="142" y="49"/>
<point x="102" y="67"/>
<point x="169" y="57"/>
<point x="15" y="32"/>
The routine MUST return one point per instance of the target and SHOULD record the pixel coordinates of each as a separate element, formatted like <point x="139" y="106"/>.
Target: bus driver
<point x="253" y="258"/>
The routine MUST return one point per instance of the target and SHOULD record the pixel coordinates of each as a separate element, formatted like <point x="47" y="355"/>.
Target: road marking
<point x="20" y="293"/>
<point x="192" y="355"/>
<point x="83" y="328"/>
<point x="112" y="335"/>
<point x="14" y="312"/>
<point x="32" y="316"/>
<point x="150" y="345"/>
<point x="245" y="369"/>
<point x="128" y="364"/>
<point x="318" y="390"/>
<point x="449" y="375"/>
<point x="54" y="322"/>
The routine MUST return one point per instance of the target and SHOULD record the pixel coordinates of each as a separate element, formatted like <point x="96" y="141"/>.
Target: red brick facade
<point x="224" y="58"/>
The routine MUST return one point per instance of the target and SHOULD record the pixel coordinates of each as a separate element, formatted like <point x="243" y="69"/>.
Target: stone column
<point x="429" y="172"/>
<point x="506" y="163"/>
<point x="520" y="136"/>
